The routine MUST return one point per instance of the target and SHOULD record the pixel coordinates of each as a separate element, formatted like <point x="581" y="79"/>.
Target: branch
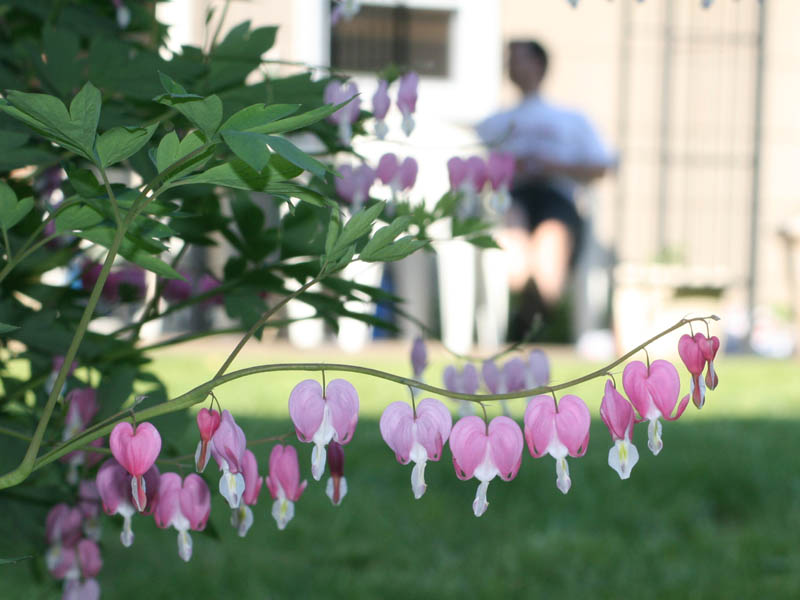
<point x="199" y="393"/>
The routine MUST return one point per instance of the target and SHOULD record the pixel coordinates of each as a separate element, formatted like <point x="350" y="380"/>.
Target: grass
<point x="715" y="515"/>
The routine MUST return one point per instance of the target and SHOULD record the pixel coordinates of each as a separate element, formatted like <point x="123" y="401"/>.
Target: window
<point x="381" y="35"/>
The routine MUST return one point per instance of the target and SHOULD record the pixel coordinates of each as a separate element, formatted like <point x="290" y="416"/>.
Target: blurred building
<point x="699" y="102"/>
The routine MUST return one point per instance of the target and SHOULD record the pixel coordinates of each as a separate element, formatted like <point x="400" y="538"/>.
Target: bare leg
<point x="549" y="249"/>
<point x="514" y="242"/>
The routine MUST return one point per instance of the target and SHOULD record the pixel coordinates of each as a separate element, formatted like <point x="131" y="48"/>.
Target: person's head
<point x="527" y="64"/>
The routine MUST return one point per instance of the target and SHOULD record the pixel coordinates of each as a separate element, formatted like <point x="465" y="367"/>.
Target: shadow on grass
<point x="716" y="515"/>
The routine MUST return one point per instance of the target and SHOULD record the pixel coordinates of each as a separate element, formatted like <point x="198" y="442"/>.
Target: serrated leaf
<point x="250" y="147"/>
<point x="358" y="225"/>
<point x="395" y="251"/>
<point x="386" y="235"/>
<point x="258" y="115"/>
<point x="296" y="156"/>
<point x="119" y="143"/>
<point x="6" y="328"/>
<point x="11" y="210"/>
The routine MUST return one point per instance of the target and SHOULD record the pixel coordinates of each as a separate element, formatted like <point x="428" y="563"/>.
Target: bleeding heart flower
<point x="283" y="483"/>
<point x="228" y="446"/>
<point x="486" y="452"/>
<point x="136" y="451"/>
<point x="184" y="505"/>
<point x="63" y="525"/>
<point x="419" y="357"/>
<point x="464" y="381"/>
<point x="82" y="407"/>
<point x="407" y="99"/>
<point x="617" y="414"/>
<point x="113" y="485"/>
<point x="538" y="371"/>
<point x="692" y="356"/>
<point x="207" y="422"/>
<point x="380" y="106"/>
<point x="456" y="172"/>
<point x="510" y="379"/>
<point x="709" y="347"/>
<point x="418" y="437"/>
<point x="654" y="392"/>
<point x="336" y="93"/>
<point x="242" y="517"/>
<point x="320" y="418"/>
<point x="558" y="432"/>
<point x="336" y="488"/>
<point x="353" y="185"/>
<point x="500" y="172"/>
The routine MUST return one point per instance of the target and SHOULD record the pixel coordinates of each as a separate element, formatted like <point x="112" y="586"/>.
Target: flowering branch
<point x="199" y="393"/>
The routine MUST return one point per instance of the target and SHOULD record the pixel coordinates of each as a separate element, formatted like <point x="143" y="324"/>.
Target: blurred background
<point x="701" y="214"/>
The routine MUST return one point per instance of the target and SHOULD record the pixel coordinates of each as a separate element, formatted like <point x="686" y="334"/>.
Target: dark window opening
<point x="381" y="35"/>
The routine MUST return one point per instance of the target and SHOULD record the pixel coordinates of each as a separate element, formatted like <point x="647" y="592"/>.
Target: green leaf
<point x="62" y="48"/>
<point x="205" y="113"/>
<point x="298" y="122"/>
<point x="6" y="328"/>
<point x="84" y="110"/>
<point x="85" y="183"/>
<point x="77" y="218"/>
<point x="257" y="115"/>
<point x="11" y="210"/>
<point x="250" y="147"/>
<point x="296" y="156"/>
<point x="358" y="225"/>
<point x="385" y="235"/>
<point x="119" y="143"/>
<point x="396" y="250"/>
<point x="170" y="150"/>
<point x="235" y="174"/>
<point x="131" y="251"/>
<point x="333" y="233"/>
<point x="74" y="130"/>
<point x="483" y="241"/>
<point x="11" y="561"/>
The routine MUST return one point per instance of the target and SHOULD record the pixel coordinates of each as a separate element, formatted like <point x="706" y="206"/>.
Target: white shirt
<point x="537" y="130"/>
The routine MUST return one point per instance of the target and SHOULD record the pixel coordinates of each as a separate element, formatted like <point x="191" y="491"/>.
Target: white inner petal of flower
<point x="654" y="436"/>
<point x="282" y="512"/>
<point x="329" y="489"/>
<point x="126" y="537"/>
<point x="231" y="487"/>
<point x="184" y="544"/>
<point x="242" y="519"/>
<point x="480" y="504"/>
<point x="563" y="482"/>
<point x="622" y="457"/>
<point x="322" y="436"/>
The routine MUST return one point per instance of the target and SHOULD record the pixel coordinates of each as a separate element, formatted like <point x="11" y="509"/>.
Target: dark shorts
<point x="541" y="202"/>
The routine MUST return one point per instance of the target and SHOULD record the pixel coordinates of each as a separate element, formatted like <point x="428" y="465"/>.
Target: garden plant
<point x="117" y="159"/>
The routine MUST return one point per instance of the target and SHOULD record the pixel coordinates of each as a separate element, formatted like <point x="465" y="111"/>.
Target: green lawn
<point x="715" y="515"/>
